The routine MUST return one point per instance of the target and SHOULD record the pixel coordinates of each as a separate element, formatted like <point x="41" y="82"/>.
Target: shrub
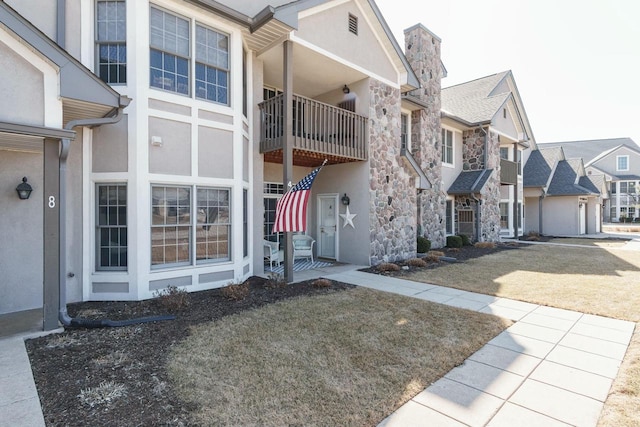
<point x="388" y="266"/>
<point x="533" y="236"/>
<point x="466" y="241"/>
<point x="424" y="245"/>
<point x="454" y="242"/>
<point x="172" y="298"/>
<point x="322" y="283"/>
<point x="275" y="280"/>
<point x="485" y="245"/>
<point x="434" y="256"/>
<point x="436" y="253"/>
<point x="416" y="262"/>
<point x="236" y="292"/>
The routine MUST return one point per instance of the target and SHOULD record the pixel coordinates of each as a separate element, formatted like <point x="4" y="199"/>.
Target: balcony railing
<point x="508" y="172"/>
<point x="317" y="127"/>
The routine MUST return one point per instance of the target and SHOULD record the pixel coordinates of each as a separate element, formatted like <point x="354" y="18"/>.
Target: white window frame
<point x="508" y="204"/>
<point x="197" y="222"/>
<point x="443" y="148"/>
<point x="119" y="226"/>
<point x="212" y="65"/>
<point x="618" y="158"/>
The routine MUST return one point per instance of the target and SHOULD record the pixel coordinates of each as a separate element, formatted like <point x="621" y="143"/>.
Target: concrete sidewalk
<point x="552" y="367"/>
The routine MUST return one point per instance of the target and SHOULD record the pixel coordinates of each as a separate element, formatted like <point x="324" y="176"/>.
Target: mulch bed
<point x="69" y="368"/>
<point x="460" y="254"/>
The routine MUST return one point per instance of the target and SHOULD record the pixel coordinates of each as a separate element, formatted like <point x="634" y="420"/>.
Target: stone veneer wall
<point x="392" y="193"/>
<point x="422" y="49"/>
<point x="490" y="217"/>
<point x="473" y="149"/>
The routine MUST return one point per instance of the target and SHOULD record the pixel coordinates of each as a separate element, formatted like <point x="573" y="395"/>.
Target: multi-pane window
<point x="170" y="47"/>
<point x="613" y="187"/>
<point x="504" y="215"/>
<point x="111" y="239"/>
<point x="623" y="187"/>
<point x="447" y="146"/>
<point x="170" y="225"/>
<point x="622" y="163"/>
<point x="174" y="227"/>
<point x="272" y="191"/>
<point x="449" y="216"/>
<point x="111" y="35"/>
<point x="504" y="153"/>
<point x="213" y="225"/>
<point x="212" y="65"/>
<point x="404" y="131"/>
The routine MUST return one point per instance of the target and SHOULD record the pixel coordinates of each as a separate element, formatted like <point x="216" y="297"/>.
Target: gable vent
<point x="353" y="24"/>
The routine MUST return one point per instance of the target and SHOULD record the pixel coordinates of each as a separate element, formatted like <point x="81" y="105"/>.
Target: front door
<point x="327" y="226"/>
<point x="583" y="218"/>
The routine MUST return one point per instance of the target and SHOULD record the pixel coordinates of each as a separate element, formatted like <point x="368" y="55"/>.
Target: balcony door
<point x="327" y="225"/>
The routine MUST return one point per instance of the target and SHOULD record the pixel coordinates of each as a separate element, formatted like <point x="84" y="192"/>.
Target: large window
<point x="174" y="227"/>
<point x="272" y="193"/>
<point x="111" y="35"/>
<point x="504" y="215"/>
<point x="170" y="45"/>
<point x="212" y="65"/>
<point x="622" y="163"/>
<point x="447" y="146"/>
<point x="111" y="239"/>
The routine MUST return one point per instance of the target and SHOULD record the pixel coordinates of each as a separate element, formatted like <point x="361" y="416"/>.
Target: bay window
<point x="170" y="47"/>
<point x="111" y="46"/>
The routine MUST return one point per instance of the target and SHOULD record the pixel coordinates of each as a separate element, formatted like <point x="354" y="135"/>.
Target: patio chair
<point x="303" y="246"/>
<point x="271" y="253"/>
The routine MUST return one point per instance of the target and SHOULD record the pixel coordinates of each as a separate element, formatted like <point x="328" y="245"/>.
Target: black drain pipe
<point x="63" y="315"/>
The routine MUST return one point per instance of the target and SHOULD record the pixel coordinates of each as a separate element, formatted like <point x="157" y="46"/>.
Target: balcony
<point x="319" y="131"/>
<point x="508" y="172"/>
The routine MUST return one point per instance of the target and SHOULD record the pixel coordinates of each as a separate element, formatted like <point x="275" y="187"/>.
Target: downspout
<point x="63" y="316"/>
<point x="478" y="216"/>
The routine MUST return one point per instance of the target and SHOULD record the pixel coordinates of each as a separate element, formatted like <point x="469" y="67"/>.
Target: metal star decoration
<point x="348" y="218"/>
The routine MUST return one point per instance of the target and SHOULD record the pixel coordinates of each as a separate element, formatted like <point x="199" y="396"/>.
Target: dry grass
<point x="416" y="262"/>
<point x="485" y="245"/>
<point x="349" y="358"/>
<point x="590" y="280"/>
<point x="622" y="408"/>
<point x="388" y="266"/>
<point x="599" y="281"/>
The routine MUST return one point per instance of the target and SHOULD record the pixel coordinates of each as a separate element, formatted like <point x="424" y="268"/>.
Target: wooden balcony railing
<point x="508" y="172"/>
<point x="317" y="127"/>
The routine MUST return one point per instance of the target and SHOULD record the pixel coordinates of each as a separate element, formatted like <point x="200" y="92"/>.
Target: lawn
<point x="346" y="359"/>
<point x="603" y="281"/>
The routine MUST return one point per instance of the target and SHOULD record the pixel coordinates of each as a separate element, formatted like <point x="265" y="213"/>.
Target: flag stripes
<point x="291" y="210"/>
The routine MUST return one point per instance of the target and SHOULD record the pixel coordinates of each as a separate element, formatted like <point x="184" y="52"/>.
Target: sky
<point x="576" y="62"/>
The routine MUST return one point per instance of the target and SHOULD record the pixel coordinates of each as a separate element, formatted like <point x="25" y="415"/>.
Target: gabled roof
<point x="472" y="101"/>
<point x="82" y="92"/>
<point x="469" y="182"/>
<point x="569" y="180"/>
<point x="268" y="20"/>
<point x="590" y="149"/>
<point x="540" y="166"/>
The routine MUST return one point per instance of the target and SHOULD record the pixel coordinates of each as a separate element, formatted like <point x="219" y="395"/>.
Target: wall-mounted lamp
<point x="345" y="89"/>
<point x="345" y="200"/>
<point x="24" y="190"/>
<point x="156" y="141"/>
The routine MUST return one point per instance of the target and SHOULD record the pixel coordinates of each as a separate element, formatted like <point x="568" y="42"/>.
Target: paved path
<point x="552" y="367"/>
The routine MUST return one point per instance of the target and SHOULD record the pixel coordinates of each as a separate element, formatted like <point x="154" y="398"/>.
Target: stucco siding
<point x="215" y="152"/>
<point x="505" y="124"/>
<point x="110" y="147"/>
<point x="560" y="216"/>
<point x="174" y="156"/>
<point x="41" y="13"/>
<point x="329" y="30"/>
<point x="21" y="224"/>
<point x="531" y="214"/>
<point x="22" y="89"/>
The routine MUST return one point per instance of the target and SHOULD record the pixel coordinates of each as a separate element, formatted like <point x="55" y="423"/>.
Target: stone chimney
<point x="422" y="50"/>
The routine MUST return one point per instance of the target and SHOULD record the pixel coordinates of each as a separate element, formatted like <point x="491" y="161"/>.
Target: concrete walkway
<point x="552" y="367"/>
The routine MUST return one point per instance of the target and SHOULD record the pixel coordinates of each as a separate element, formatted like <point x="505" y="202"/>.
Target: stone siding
<point x="422" y="49"/>
<point x="490" y="217"/>
<point x="392" y="193"/>
<point x="473" y="149"/>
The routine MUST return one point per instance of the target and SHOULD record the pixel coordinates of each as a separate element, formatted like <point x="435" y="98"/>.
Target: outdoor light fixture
<point x="24" y="190"/>
<point x="345" y="89"/>
<point x="156" y="141"/>
<point x="345" y="200"/>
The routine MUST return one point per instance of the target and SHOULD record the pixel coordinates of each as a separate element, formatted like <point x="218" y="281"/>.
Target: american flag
<point x="291" y="210"/>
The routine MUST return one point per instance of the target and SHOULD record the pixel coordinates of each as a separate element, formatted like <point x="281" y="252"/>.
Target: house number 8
<point x="52" y="202"/>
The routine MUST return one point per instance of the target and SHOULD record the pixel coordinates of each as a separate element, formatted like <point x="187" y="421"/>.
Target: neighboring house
<point x="487" y="136"/>
<point x="560" y="197"/>
<point x="618" y="160"/>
